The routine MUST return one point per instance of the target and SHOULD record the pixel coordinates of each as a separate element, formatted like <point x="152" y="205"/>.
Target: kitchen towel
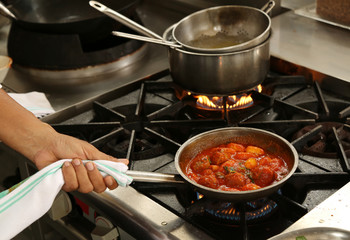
<point x="30" y="199"/>
<point x="36" y="102"/>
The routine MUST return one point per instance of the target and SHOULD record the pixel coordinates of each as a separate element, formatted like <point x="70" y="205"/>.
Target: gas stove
<point x="147" y="122"/>
<point x="135" y="112"/>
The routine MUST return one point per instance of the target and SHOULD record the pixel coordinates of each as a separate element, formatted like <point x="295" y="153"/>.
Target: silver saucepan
<point x="213" y="30"/>
<point x="224" y="29"/>
<point x="269" y="141"/>
<point x="215" y="74"/>
<point x="220" y="74"/>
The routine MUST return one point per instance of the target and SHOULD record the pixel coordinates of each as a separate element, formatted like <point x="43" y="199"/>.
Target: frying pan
<point x="270" y="142"/>
<point x="61" y="16"/>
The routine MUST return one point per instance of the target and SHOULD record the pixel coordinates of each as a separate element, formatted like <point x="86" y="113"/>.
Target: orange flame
<point x="233" y="102"/>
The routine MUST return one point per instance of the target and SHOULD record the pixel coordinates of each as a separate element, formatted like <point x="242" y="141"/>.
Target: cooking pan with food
<point x="268" y="141"/>
<point x="62" y="16"/>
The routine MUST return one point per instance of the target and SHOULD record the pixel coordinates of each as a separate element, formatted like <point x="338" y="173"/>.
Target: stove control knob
<point x="104" y="230"/>
<point x="61" y="206"/>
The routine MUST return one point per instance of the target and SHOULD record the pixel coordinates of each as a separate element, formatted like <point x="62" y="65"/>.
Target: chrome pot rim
<point x="239" y="47"/>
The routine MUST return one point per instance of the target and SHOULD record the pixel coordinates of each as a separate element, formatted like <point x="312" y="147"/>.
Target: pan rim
<point x="238" y="47"/>
<point x="216" y="54"/>
<point x="25" y="18"/>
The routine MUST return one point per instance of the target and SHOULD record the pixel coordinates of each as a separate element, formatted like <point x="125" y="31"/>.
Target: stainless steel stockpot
<point x="214" y="73"/>
<point x="224" y="28"/>
<point x="220" y="73"/>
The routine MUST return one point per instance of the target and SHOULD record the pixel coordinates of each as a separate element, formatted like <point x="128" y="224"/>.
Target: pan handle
<point x="146" y="39"/>
<point x="6" y="11"/>
<point x="268" y="6"/>
<point x="124" y="20"/>
<point x="140" y="176"/>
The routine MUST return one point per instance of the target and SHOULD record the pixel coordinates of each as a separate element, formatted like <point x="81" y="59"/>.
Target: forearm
<point x="39" y="142"/>
<point x="20" y="129"/>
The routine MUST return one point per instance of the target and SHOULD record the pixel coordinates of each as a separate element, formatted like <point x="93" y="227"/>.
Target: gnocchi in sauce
<point x="236" y="167"/>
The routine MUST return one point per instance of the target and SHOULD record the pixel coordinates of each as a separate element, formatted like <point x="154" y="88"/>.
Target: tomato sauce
<point x="236" y="167"/>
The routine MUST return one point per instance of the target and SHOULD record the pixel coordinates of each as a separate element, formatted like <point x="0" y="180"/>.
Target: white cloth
<point x="29" y="200"/>
<point x="35" y="102"/>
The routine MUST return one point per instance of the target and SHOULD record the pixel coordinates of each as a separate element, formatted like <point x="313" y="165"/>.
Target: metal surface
<point x="156" y="15"/>
<point x="268" y="141"/>
<point x="77" y="86"/>
<point x="84" y="85"/>
<point x="320" y="233"/>
<point x="152" y="220"/>
<point x="141" y="176"/>
<point x="5" y="64"/>
<point x="146" y="39"/>
<point x="310" y="11"/>
<point x="111" y="95"/>
<point x="264" y="139"/>
<point x="246" y="26"/>
<point x="7" y="12"/>
<point x="62" y="16"/>
<point x="219" y="74"/>
<point x="59" y="11"/>
<point x="123" y="19"/>
<point x="78" y="76"/>
<point x="296" y="39"/>
<point x="188" y="7"/>
<point x="74" y="90"/>
<point x="295" y="4"/>
<point x="333" y="213"/>
<point x="314" y="45"/>
<point x="209" y="22"/>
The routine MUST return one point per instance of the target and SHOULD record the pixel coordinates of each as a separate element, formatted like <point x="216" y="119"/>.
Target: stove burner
<point x="148" y="112"/>
<point x="324" y="143"/>
<point x="255" y="211"/>
<point x="218" y="103"/>
<point x="53" y="56"/>
<point x="66" y="51"/>
<point x="144" y="147"/>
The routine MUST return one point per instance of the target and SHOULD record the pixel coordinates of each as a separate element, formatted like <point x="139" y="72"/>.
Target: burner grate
<point x="147" y="124"/>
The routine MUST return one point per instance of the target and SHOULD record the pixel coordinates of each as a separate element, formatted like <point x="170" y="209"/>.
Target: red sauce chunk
<point x="236" y="167"/>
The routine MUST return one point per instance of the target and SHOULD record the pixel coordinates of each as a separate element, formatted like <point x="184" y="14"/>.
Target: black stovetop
<point x="145" y="122"/>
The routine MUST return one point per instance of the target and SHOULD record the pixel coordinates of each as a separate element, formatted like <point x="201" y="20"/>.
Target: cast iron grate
<point x="286" y="105"/>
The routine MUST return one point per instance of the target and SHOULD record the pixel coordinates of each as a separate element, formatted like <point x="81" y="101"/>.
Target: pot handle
<point x="141" y="176"/>
<point x="146" y="39"/>
<point x="268" y="6"/>
<point x="124" y="20"/>
<point x="7" y="12"/>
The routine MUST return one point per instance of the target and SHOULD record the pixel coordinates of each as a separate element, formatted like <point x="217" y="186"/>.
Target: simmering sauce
<point x="236" y="167"/>
<point x="219" y="40"/>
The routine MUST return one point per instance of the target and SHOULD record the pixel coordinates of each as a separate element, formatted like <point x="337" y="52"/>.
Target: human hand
<point x="40" y="143"/>
<point x="77" y="176"/>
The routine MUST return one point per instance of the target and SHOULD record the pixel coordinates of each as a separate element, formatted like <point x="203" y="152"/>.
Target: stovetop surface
<point x="74" y="107"/>
<point x="145" y="122"/>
